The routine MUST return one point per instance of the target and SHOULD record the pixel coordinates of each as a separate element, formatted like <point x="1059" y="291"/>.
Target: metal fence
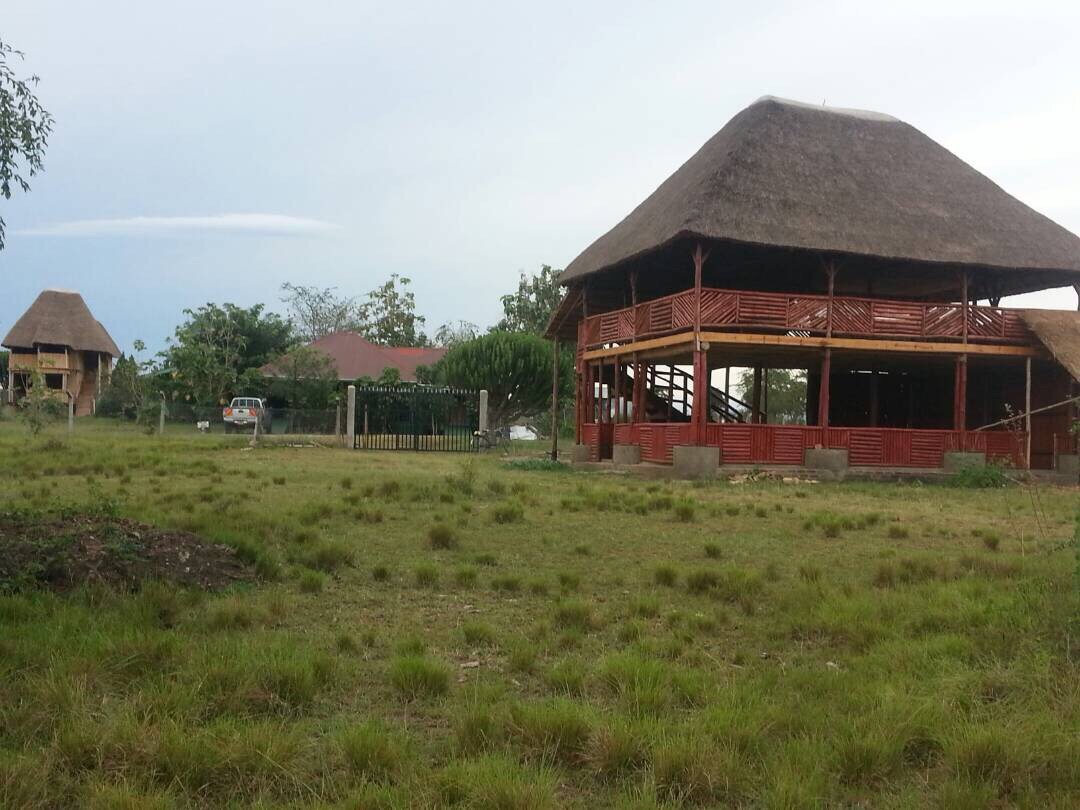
<point x="390" y="417"/>
<point x="286" y="421"/>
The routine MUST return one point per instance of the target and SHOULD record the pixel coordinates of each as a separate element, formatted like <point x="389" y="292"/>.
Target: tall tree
<point x="307" y="378"/>
<point x="514" y="368"/>
<point x="451" y="334"/>
<point x="389" y="315"/>
<point x="320" y="311"/>
<point x="529" y="309"/>
<point x="787" y="394"/>
<point x="24" y="129"/>
<point x="212" y="350"/>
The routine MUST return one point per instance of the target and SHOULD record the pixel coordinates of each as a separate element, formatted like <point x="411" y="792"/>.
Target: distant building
<point x="58" y="341"/>
<point x="354" y="357"/>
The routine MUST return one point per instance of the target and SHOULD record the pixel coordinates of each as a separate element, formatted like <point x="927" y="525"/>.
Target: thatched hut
<point x="59" y="344"/>
<point x="844" y="243"/>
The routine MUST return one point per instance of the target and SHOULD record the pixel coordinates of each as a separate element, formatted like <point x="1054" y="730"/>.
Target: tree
<point x="451" y="334"/>
<point x="3" y="367"/>
<point x="24" y="129"/>
<point x="39" y="405"/>
<point x="320" y="311"/>
<point x="514" y="367"/>
<point x="307" y="378"/>
<point x="530" y="308"/>
<point x="389" y="315"/>
<point x="787" y="394"/>
<point x="133" y="388"/>
<point x="219" y="349"/>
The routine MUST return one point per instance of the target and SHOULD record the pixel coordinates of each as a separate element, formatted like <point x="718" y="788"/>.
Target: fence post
<point x="337" y="422"/>
<point x="161" y="418"/>
<point x="483" y="411"/>
<point x="350" y="418"/>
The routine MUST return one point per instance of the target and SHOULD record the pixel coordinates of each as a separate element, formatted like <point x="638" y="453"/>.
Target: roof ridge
<point x="867" y="115"/>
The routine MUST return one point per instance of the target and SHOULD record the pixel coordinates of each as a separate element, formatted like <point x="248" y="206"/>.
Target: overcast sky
<point x="209" y="151"/>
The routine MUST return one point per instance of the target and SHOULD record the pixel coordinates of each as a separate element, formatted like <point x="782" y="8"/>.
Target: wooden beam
<point x="555" y="400"/>
<point x="1027" y="412"/>
<point x="960" y="394"/>
<point x="823" y="390"/>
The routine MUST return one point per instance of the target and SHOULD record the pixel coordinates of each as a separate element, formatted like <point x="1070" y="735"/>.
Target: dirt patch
<point x="61" y="552"/>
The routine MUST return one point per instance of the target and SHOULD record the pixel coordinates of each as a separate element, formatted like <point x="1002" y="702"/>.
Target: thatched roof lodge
<point x="58" y="341"/>
<point x="843" y="242"/>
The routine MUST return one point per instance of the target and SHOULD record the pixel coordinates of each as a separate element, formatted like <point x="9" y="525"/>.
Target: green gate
<point x="406" y="417"/>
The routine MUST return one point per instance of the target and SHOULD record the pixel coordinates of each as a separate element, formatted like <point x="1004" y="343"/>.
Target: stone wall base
<point x="579" y="453"/>
<point x="626" y="454"/>
<point x="954" y="462"/>
<point x="831" y="459"/>
<point x="1068" y="466"/>
<point x="696" y="462"/>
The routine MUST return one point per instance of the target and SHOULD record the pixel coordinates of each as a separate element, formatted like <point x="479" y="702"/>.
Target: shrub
<point x="485" y="559"/>
<point x="641" y="684"/>
<point x="427" y="575"/>
<point x="568" y="581"/>
<point x="615" y="750"/>
<point x="380" y="573"/>
<point x="989" y="476"/>
<point x="712" y="551"/>
<point x="689" y="770"/>
<point x="506" y="584"/>
<point x="809" y="573"/>
<point x="416" y="676"/>
<point x="465" y="576"/>
<point x="555" y="730"/>
<point x="478" y="633"/>
<point x="496" y="487"/>
<point x="279" y="480"/>
<point x="573" y="614"/>
<point x="699" y="582"/>
<point x="646" y="607"/>
<point x="442" y="536"/>
<point x="312" y="582"/>
<point x="372" y="751"/>
<point x="346" y="482"/>
<point x="684" y="511"/>
<point x="666" y="576"/>
<point x="566" y="676"/>
<point x="328" y="556"/>
<point x="522" y="656"/>
<point x="479" y="727"/>
<point x="507" y="513"/>
<point x="583" y="549"/>
<point x="897" y="532"/>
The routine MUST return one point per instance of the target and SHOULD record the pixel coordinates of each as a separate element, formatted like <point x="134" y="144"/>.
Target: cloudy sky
<point x="209" y="151"/>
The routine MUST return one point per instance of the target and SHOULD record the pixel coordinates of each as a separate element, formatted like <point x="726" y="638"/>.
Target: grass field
<point x="440" y="630"/>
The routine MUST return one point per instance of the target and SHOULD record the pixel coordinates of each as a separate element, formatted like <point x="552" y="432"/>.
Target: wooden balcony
<point x="783" y="313"/>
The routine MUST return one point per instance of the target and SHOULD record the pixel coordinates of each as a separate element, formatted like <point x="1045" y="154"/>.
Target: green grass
<point x="581" y="641"/>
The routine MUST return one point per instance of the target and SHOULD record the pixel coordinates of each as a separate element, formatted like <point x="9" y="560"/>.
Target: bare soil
<point x="61" y="552"/>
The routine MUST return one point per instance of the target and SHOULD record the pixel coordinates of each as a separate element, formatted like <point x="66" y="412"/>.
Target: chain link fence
<point x="282" y="421"/>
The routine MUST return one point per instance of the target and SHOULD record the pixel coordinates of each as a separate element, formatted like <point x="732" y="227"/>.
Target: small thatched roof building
<point x="60" y="318"/>
<point x="60" y="341"/>
<point x="354" y="357"/>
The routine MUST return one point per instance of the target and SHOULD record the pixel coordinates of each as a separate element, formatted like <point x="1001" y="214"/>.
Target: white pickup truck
<point x="242" y="414"/>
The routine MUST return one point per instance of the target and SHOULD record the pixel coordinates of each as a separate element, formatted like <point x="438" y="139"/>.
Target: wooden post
<point x="830" y="270"/>
<point x="555" y="400"/>
<point x="765" y="395"/>
<point x="636" y="396"/>
<point x="874" y="406"/>
<point x="964" y="293"/>
<point x="700" y="413"/>
<point x="1027" y="412"/>
<point x="823" y="390"/>
<point x="960" y="397"/>
<point x="755" y="397"/>
<point x="350" y="417"/>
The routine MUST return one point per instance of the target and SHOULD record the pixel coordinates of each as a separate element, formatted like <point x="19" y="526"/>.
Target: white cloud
<point x="264" y="224"/>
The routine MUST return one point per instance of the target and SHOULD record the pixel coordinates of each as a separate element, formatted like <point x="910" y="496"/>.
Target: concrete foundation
<point x="579" y="453"/>
<point x="626" y="454"/>
<point x="830" y="460"/>
<point x="696" y="462"/>
<point x="1068" y="466"/>
<point x="954" y="462"/>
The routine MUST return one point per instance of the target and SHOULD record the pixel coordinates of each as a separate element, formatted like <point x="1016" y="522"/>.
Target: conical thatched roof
<point x="60" y="318"/>
<point x="1059" y="331"/>
<point x="795" y="175"/>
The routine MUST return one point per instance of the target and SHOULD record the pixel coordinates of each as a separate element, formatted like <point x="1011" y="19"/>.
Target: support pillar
<point x="10" y="381"/>
<point x="639" y="391"/>
<point x="350" y="417"/>
<point x="823" y="390"/>
<point x="555" y="400"/>
<point x="874" y="399"/>
<point x="960" y="395"/>
<point x="700" y="414"/>
<point x="1027" y="412"/>
<point x="755" y="396"/>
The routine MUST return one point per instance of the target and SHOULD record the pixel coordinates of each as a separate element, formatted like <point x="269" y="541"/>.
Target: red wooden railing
<point x="786" y="444"/>
<point x="808" y="314"/>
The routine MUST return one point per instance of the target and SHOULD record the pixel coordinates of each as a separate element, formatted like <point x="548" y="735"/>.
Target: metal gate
<point x="402" y="417"/>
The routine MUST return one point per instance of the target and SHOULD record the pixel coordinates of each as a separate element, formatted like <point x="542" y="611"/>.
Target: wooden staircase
<point x="84" y="402"/>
